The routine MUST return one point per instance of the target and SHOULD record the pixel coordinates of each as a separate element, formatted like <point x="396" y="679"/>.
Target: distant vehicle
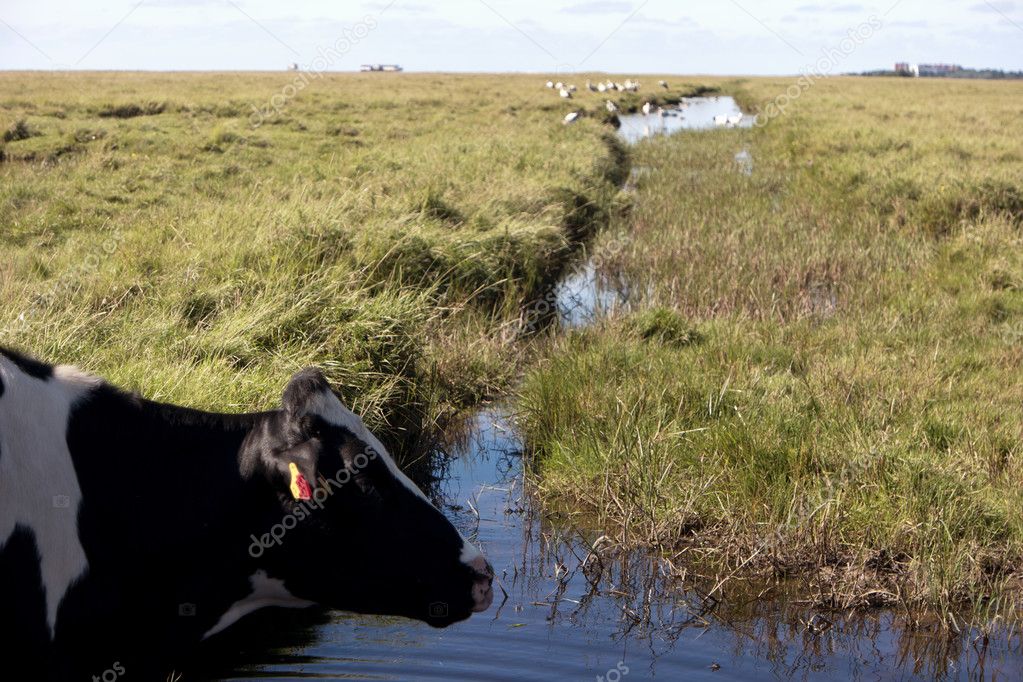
<point x="380" y="67"/>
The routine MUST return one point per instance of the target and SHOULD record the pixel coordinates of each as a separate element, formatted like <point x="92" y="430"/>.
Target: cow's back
<point x="41" y="554"/>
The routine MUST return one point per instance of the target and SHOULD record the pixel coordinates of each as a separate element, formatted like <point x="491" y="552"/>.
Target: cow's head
<point x="355" y="533"/>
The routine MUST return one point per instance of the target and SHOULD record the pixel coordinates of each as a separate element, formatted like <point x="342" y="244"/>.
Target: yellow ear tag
<point x="300" y="489"/>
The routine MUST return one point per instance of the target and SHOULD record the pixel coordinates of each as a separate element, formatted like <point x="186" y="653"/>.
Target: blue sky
<point x="719" y="37"/>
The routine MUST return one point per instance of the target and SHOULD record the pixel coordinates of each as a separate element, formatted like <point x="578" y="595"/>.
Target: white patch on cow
<point x="469" y="553"/>
<point x="328" y="407"/>
<point x="38" y="486"/>
<point x="266" y="591"/>
<point x="72" y="376"/>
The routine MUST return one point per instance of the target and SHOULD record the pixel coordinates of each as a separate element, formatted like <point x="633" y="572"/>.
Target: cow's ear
<point x="305" y="393"/>
<point x="306" y="397"/>
<point x="298" y="469"/>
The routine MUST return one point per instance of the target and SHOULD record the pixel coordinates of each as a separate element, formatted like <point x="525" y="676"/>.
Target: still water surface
<point x="692" y="113"/>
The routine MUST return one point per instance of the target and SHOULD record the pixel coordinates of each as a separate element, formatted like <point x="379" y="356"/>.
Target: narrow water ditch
<point x="570" y="606"/>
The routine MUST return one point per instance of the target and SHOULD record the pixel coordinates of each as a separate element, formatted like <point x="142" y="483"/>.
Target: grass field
<point x="818" y="373"/>
<point x="201" y="237"/>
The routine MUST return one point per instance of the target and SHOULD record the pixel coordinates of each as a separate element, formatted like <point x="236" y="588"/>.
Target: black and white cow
<point x="132" y="530"/>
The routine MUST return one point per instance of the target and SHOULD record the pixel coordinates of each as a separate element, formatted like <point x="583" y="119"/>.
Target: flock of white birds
<point x="565" y="91"/>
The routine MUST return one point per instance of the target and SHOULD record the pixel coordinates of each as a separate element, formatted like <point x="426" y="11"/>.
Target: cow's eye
<point x="376" y="477"/>
<point x="314" y="426"/>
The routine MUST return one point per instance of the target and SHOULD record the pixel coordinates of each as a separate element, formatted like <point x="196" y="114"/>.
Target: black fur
<point x="28" y="365"/>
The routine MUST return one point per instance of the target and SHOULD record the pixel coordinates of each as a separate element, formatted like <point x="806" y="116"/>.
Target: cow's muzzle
<point x="483" y="584"/>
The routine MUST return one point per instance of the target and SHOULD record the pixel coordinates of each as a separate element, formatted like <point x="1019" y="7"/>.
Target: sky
<point x="548" y="36"/>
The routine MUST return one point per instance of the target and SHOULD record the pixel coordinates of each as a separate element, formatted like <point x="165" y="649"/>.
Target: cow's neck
<point x="170" y="468"/>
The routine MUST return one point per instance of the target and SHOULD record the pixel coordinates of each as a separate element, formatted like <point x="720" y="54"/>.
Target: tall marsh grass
<point x="379" y="227"/>
<point x="820" y="377"/>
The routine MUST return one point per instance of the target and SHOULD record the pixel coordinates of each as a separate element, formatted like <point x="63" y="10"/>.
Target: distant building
<point x="938" y="69"/>
<point x="380" y="67"/>
<point x="905" y="68"/>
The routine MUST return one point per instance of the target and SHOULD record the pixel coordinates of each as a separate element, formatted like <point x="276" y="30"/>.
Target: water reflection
<point x="633" y="607"/>
<point x="588" y="293"/>
<point x="693" y="113"/>
<point x="745" y="162"/>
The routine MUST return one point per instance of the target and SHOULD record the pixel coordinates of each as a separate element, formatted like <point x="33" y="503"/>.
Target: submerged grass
<point x="817" y="373"/>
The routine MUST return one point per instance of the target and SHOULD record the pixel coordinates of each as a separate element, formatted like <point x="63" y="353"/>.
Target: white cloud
<point x="821" y="9"/>
<point x="599" y="7"/>
<point x="995" y="6"/>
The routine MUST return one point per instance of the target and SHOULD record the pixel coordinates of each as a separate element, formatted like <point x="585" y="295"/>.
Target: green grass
<point x="380" y="226"/>
<point x="820" y="379"/>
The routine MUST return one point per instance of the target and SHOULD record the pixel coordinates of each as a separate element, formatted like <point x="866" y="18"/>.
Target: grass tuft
<point x="665" y="326"/>
<point x="131" y="110"/>
<point x="19" y="131"/>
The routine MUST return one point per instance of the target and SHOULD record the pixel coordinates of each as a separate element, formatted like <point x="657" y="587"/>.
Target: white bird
<point x="601" y="87"/>
<point x="647" y="108"/>
<point x="559" y="85"/>
<point x="565" y="93"/>
<point x="571" y="118"/>
<point x="720" y="119"/>
<point x="550" y="84"/>
<point x="591" y="87"/>
<point x="734" y="120"/>
<point x="663" y="84"/>
<point x="572" y="88"/>
<point x="611" y="106"/>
